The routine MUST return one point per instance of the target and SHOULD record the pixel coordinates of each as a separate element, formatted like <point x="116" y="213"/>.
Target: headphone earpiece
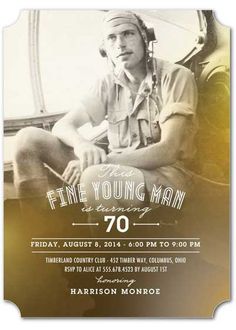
<point x="102" y="51"/>
<point x="151" y="35"/>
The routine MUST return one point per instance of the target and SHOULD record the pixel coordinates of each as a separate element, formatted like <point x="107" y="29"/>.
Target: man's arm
<point x="66" y="129"/>
<point x="159" y="154"/>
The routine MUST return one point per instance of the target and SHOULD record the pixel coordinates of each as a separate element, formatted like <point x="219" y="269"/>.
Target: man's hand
<point x="89" y="154"/>
<point x="72" y="173"/>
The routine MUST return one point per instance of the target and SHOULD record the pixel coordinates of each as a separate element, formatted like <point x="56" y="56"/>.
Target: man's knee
<point x="95" y="174"/>
<point x="28" y="142"/>
<point x="90" y="174"/>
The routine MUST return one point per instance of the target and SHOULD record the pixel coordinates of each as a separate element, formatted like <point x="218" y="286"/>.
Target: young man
<point x="150" y="106"/>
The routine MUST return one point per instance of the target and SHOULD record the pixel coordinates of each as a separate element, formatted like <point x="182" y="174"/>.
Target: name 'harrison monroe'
<point x="115" y="291"/>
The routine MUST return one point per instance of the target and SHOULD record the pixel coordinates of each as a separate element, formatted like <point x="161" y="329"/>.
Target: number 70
<point x="121" y="222"/>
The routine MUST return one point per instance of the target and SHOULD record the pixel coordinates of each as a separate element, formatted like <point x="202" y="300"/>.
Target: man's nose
<point x="120" y="41"/>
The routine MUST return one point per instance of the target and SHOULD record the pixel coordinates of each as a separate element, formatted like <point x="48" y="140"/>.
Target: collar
<point x="145" y="86"/>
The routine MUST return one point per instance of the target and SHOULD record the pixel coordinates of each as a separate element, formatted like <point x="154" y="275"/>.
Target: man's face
<point x="124" y="45"/>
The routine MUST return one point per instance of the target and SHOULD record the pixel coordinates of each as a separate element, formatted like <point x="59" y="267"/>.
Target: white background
<point x="226" y="314"/>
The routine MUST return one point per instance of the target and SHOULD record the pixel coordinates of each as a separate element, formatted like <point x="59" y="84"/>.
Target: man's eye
<point x="128" y="33"/>
<point x="111" y="37"/>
